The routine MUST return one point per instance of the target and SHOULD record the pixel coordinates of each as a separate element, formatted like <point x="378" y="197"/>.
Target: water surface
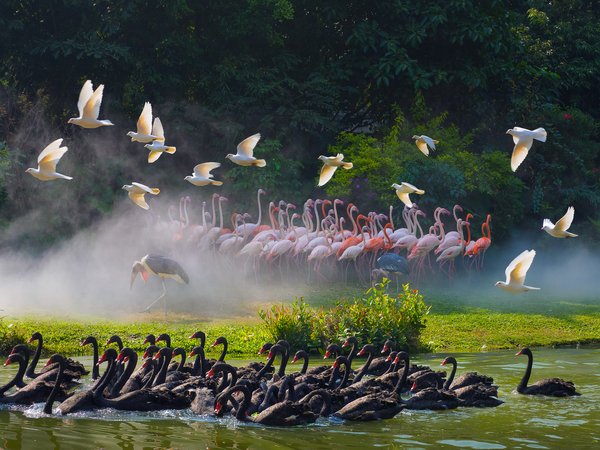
<point x="523" y="422"/>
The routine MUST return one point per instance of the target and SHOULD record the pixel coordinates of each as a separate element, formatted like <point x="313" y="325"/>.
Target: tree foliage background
<point x="313" y="77"/>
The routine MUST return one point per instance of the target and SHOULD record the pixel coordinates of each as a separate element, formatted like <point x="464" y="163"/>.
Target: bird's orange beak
<point x="327" y="354"/>
<point x="519" y="353"/>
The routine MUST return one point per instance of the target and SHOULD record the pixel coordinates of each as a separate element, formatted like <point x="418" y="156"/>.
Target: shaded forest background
<point x="313" y="77"/>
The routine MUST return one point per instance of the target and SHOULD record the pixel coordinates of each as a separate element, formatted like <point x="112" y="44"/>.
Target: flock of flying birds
<point x="151" y="133"/>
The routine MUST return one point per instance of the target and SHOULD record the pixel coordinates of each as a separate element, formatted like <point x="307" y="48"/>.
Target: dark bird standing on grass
<point x="162" y="267"/>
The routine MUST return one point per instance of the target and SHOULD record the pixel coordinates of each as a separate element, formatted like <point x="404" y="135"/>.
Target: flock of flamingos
<point x="321" y="235"/>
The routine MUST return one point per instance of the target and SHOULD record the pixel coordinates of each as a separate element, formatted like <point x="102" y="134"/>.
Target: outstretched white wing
<point x="203" y="170"/>
<point x="143" y="188"/>
<point x="517" y="269"/>
<point x="565" y="222"/>
<point x="50" y="160"/>
<point x="326" y="174"/>
<point x="49" y="149"/>
<point x="92" y="106"/>
<point x="157" y="130"/>
<point x="429" y="141"/>
<point x="144" y="123"/>
<point x="520" y="152"/>
<point x="246" y="147"/>
<point x="422" y="145"/>
<point x="86" y="92"/>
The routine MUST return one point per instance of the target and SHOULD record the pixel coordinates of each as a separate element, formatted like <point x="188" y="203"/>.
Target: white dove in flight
<point x="516" y="272"/>
<point x="144" y="126"/>
<point x="89" y="107"/>
<point x="424" y="143"/>
<point x="137" y="191"/>
<point x="245" y="153"/>
<point x="523" y="139"/>
<point x="404" y="189"/>
<point x="559" y="230"/>
<point x="330" y="165"/>
<point x="202" y="175"/>
<point x="158" y="146"/>
<point x="47" y="160"/>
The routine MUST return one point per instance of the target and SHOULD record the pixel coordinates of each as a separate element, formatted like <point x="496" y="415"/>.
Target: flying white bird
<point x="158" y="145"/>
<point x="523" y="139"/>
<point x="559" y="230"/>
<point x="202" y="176"/>
<point x="404" y="189"/>
<point x="89" y="107"/>
<point x="423" y="142"/>
<point x="47" y="160"/>
<point x="137" y="191"/>
<point x="516" y="272"/>
<point x="330" y="165"/>
<point x="245" y="153"/>
<point x="144" y="126"/>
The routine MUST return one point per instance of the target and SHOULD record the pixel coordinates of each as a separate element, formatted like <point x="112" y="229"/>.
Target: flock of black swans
<point x="381" y="388"/>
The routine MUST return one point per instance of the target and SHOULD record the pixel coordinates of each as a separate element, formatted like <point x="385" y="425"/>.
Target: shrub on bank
<point x="8" y="337"/>
<point x="372" y="319"/>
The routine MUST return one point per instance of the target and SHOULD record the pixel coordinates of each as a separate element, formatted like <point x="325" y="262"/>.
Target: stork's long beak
<point x="134" y="273"/>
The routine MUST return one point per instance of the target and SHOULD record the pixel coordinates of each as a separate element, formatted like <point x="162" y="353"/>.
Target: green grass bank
<point x="456" y="323"/>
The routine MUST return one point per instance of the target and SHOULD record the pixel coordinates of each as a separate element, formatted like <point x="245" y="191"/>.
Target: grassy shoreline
<point x="462" y="322"/>
<point x="448" y="332"/>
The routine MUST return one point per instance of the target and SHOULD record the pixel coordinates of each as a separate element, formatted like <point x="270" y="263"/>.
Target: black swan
<point x="380" y="405"/>
<point x="35" y="391"/>
<point x="81" y="400"/>
<point x="221" y="340"/>
<point x="555" y="387"/>
<point x="150" y="340"/>
<point x="114" y="339"/>
<point x="465" y="379"/>
<point x="18" y="376"/>
<point x="201" y="336"/>
<point x="91" y="340"/>
<point x="144" y="399"/>
<point x="73" y="368"/>
<point x="165" y="338"/>
<point x="287" y="413"/>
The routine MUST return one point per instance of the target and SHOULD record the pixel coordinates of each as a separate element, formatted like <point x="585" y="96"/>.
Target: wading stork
<point x="390" y="263"/>
<point x="162" y="267"/>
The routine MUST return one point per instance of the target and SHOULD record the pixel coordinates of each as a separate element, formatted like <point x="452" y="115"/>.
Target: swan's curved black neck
<point x="36" y="357"/>
<point x="126" y="374"/>
<point x="450" y="379"/>
<point x="523" y="384"/>
<point x="57" y="383"/>
<point x="18" y="376"/>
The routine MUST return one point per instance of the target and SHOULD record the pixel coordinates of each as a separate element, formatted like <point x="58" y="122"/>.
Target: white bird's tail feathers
<point x="259" y="163"/>
<point x="540" y="134"/>
<point x="171" y="150"/>
<point x="348" y="165"/>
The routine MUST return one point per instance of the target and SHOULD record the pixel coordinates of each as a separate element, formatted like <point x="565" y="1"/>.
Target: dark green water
<point x="522" y="422"/>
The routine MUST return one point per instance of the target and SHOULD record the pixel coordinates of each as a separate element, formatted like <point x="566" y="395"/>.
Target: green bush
<point x="8" y="337"/>
<point x="377" y="316"/>
<point x="294" y="323"/>
<point x="372" y="319"/>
